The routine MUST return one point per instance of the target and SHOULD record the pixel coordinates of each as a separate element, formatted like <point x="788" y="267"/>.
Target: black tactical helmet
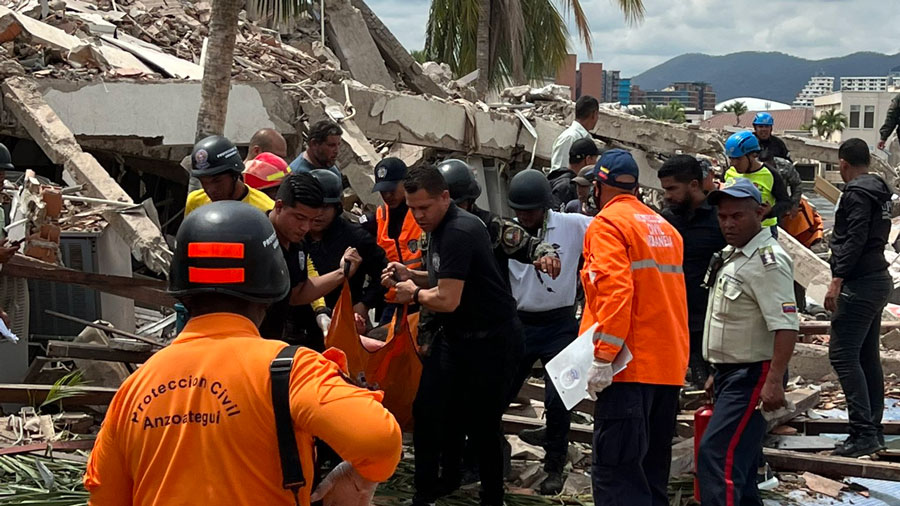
<point x="5" y="159"/>
<point x="529" y="189"/>
<point x="332" y="186"/>
<point x="229" y="248"/>
<point x="215" y="155"/>
<point x="460" y="180"/>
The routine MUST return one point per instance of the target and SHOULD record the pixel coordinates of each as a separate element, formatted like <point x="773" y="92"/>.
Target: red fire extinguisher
<point x="701" y="421"/>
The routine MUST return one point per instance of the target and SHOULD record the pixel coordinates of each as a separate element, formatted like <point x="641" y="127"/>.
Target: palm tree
<point x="673" y="112"/>
<point x="517" y="40"/>
<point x="835" y="121"/>
<point x="216" y="83"/>
<point x="738" y="108"/>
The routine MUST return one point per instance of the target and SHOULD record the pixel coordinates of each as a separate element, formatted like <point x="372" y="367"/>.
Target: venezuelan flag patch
<point x="788" y="307"/>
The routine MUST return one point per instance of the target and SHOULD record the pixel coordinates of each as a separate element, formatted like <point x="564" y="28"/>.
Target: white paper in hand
<point x="569" y="369"/>
<point x="6" y="333"/>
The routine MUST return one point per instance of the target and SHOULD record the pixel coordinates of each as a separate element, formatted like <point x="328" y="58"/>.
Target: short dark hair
<point x="855" y="152"/>
<point x="425" y="177"/>
<point x="322" y="130"/>
<point x="585" y="106"/>
<point x="301" y="188"/>
<point x="684" y="168"/>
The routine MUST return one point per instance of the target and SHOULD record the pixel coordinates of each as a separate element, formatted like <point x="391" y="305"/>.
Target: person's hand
<point x="394" y="273"/>
<point x="405" y="291"/>
<point x="772" y="394"/>
<point x="881" y="144"/>
<point x="7" y="251"/>
<point x="549" y="264"/>
<point x="710" y="389"/>
<point x="599" y="377"/>
<point x="323" y="321"/>
<point x="361" y="324"/>
<point x="351" y="257"/>
<point x="831" y="296"/>
<point x="344" y="487"/>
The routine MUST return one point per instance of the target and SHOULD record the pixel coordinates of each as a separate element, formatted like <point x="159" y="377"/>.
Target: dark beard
<point x="680" y="209"/>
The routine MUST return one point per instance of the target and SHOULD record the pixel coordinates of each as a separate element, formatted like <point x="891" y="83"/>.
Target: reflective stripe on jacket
<point x="634" y="292"/>
<point x="764" y="182"/>
<point x="405" y="249"/>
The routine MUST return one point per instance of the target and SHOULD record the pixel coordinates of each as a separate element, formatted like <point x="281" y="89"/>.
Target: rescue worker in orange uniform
<point x="196" y="424"/>
<point x="635" y="299"/>
<point x="393" y="226"/>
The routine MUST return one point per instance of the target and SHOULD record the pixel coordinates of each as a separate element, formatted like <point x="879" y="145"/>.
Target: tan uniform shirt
<point x="753" y="296"/>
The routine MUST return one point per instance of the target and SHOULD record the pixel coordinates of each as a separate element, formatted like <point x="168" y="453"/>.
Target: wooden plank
<point x="19" y="393"/>
<point x="90" y="351"/>
<point x="146" y="291"/>
<point x="812" y="427"/>
<point x="104" y="328"/>
<point x="804" y="399"/>
<point x="827" y="465"/>
<point x="76" y="444"/>
<point x="512" y="424"/>
<point x="824" y="188"/>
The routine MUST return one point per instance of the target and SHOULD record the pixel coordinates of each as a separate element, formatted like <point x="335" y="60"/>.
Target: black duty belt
<point x="544" y="317"/>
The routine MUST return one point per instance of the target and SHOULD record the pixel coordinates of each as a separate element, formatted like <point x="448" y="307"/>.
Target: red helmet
<point x="266" y="171"/>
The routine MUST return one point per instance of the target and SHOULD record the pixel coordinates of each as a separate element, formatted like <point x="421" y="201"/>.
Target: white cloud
<point x="807" y="28"/>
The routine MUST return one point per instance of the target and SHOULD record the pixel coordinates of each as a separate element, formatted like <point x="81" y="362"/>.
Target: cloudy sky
<point x="807" y="28"/>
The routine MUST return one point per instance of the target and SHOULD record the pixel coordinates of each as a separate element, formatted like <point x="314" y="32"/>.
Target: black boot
<point x="552" y="484"/>
<point x="858" y="446"/>
<point x="534" y="437"/>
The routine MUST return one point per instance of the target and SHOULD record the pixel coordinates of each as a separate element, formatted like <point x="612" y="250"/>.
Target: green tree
<point x="519" y="40"/>
<point x="673" y="112"/>
<point x="419" y="55"/>
<point x="737" y="108"/>
<point x="827" y="123"/>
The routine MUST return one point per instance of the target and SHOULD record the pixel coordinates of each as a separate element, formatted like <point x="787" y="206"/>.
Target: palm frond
<point x="280" y="10"/>
<point x="581" y="23"/>
<point x="70" y="385"/>
<point x="633" y="9"/>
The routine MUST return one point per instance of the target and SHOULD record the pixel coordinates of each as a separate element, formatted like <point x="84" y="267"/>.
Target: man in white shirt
<point x="546" y="308"/>
<point x="587" y="113"/>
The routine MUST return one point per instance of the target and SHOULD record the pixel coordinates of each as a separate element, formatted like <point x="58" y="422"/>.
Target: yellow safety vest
<point x="763" y="181"/>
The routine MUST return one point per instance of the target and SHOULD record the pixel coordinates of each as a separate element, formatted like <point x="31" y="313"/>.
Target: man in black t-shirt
<point x="299" y="201"/>
<point x="482" y="341"/>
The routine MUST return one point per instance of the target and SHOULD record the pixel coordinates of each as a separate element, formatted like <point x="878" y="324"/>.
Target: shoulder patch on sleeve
<point x="788" y="307"/>
<point x="767" y="257"/>
<point x="512" y="235"/>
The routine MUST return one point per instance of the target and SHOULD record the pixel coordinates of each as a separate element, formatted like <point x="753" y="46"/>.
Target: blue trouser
<point x="854" y="349"/>
<point x="543" y="341"/>
<point x="730" y="448"/>
<point x="633" y="428"/>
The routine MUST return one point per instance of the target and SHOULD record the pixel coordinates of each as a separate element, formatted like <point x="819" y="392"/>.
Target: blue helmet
<point x="740" y="144"/>
<point x="763" y="119"/>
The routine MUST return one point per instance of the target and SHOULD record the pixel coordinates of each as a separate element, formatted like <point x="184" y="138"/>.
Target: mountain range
<point x="767" y="75"/>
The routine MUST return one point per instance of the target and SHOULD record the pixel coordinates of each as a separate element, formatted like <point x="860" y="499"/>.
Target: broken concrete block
<point x="577" y="484"/>
<point x="891" y="340"/>
<point x="351" y="41"/>
<point x="53" y="202"/>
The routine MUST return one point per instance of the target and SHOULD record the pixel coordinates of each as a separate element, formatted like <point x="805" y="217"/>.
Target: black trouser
<point x="854" y="349"/>
<point x="463" y="388"/>
<point x="546" y="334"/>
<point x="730" y="447"/>
<point x="698" y="366"/>
<point x="633" y="428"/>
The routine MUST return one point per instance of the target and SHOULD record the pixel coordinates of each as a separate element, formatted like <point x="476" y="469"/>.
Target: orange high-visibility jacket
<point x="634" y="292"/>
<point x="405" y="249"/>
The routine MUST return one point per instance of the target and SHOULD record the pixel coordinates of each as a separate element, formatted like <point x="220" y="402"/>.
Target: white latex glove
<point x="324" y="322"/>
<point x="344" y="487"/>
<point x="600" y="376"/>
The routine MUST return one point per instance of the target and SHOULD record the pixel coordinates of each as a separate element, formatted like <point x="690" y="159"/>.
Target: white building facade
<point x="816" y="87"/>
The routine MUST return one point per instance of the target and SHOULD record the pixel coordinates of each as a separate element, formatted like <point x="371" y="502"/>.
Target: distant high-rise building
<point x="567" y="76"/>
<point x="706" y="97"/>
<point x="591" y="78"/>
<point x="625" y="91"/>
<point x="865" y="83"/>
<point x="694" y="96"/>
<point x="611" y="80"/>
<point x="816" y="87"/>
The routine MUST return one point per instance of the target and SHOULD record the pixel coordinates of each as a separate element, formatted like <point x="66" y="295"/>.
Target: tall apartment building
<point x="611" y="79"/>
<point x="625" y="91"/>
<point x="865" y="83"/>
<point x="817" y="86"/>
<point x="706" y="97"/>
<point x="694" y="96"/>
<point x="590" y="80"/>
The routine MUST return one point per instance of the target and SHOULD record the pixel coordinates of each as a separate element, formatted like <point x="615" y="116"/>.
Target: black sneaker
<point x="765" y="478"/>
<point x="857" y="447"/>
<point x="552" y="484"/>
<point x="534" y="437"/>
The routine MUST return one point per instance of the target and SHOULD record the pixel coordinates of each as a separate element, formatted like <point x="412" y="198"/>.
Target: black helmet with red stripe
<point x="229" y="248"/>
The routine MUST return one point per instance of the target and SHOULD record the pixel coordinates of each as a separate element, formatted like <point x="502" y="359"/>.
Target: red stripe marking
<point x="729" y="456"/>
<point x="216" y="250"/>
<point x="201" y="275"/>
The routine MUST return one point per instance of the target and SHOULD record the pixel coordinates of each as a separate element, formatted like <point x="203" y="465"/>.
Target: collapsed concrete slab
<point x="21" y="97"/>
<point x="810" y="271"/>
<point x="827" y="152"/>
<point x="351" y="41"/>
<point x="136" y="109"/>
<point x="657" y="136"/>
<point x="396" y="57"/>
